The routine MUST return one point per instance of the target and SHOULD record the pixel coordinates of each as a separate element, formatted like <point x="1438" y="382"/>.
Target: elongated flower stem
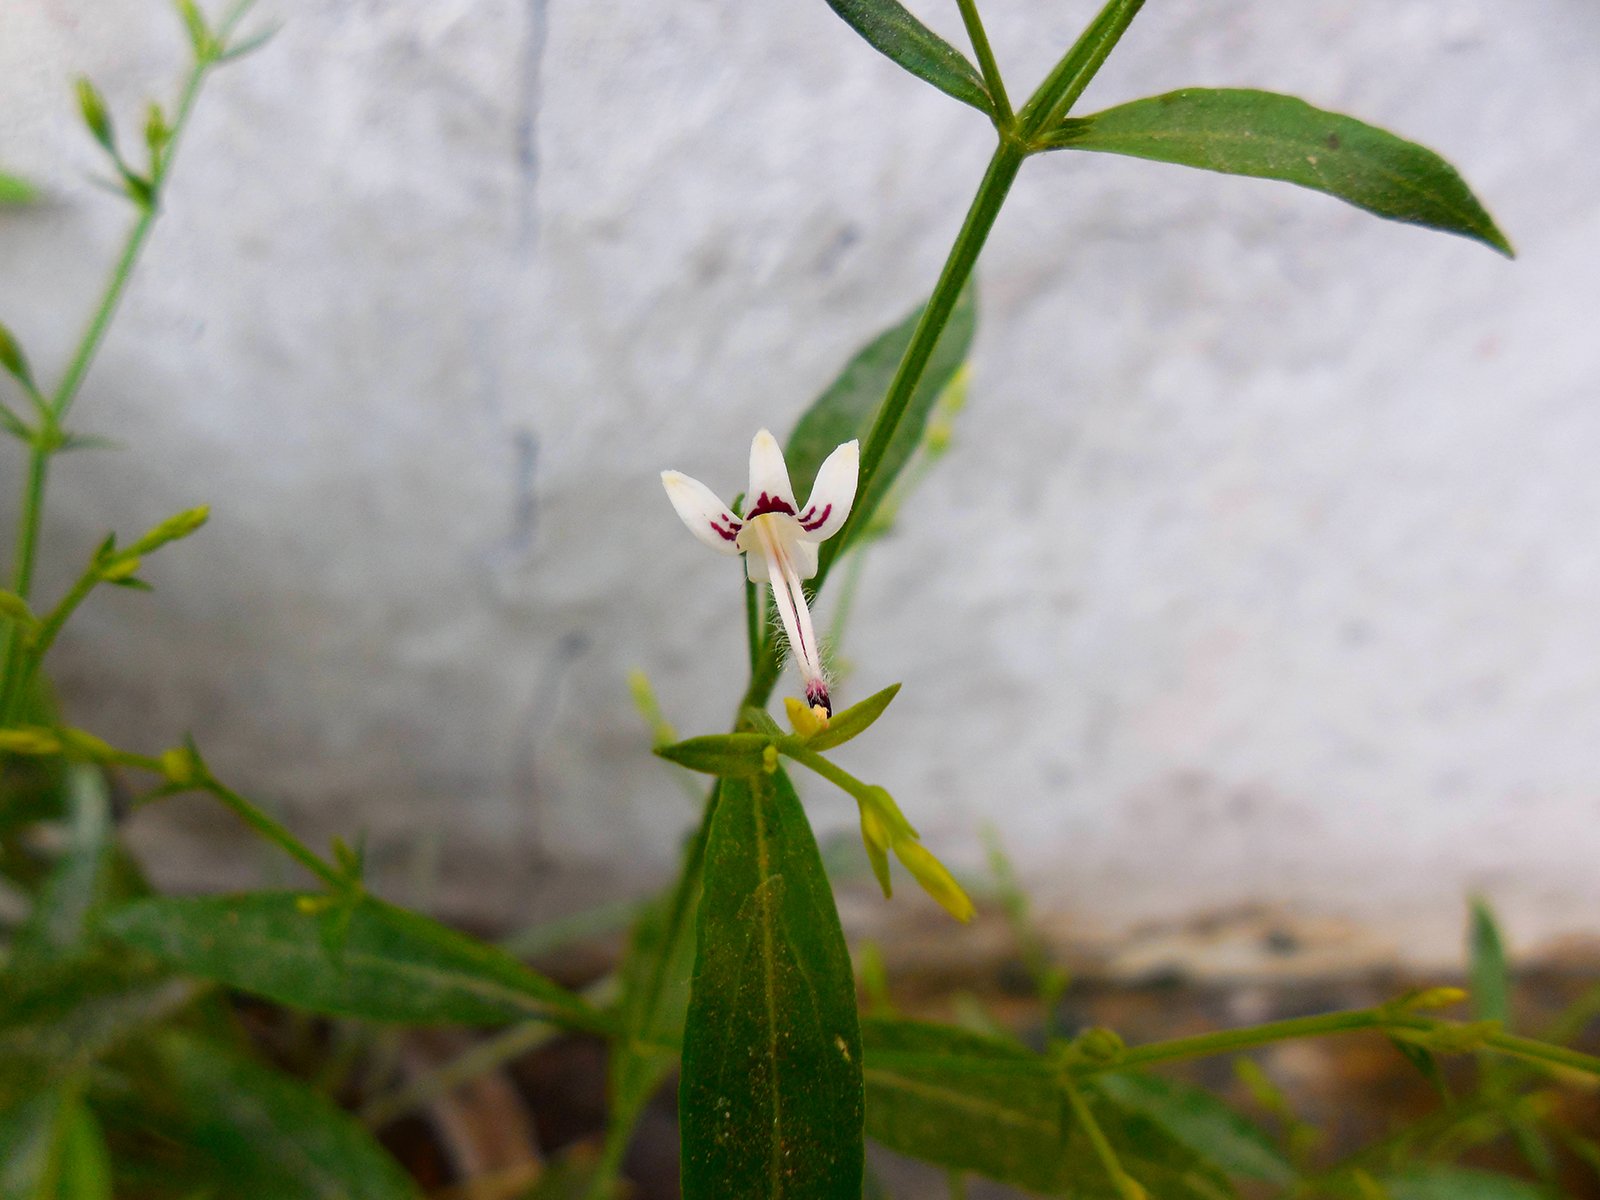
<point x="992" y="192"/>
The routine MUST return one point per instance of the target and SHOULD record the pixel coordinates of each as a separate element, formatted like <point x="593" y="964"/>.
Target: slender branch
<point x="1229" y="1041"/>
<point x="997" y="181"/>
<point x="1127" y="1187"/>
<point x="273" y="830"/>
<point x="1062" y="87"/>
<point x="752" y="622"/>
<point x="1004" y="118"/>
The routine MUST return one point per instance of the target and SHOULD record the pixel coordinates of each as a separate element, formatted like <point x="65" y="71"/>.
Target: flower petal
<point x="770" y="489"/>
<point x="707" y="517"/>
<point x="804" y="556"/>
<point x="756" y="569"/>
<point x="833" y="494"/>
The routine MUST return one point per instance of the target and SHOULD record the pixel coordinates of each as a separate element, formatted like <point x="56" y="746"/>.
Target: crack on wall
<point x="530" y="97"/>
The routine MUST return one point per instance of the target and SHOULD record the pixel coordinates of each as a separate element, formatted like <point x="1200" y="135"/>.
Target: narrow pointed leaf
<point x="1491" y="978"/>
<point x="85" y="1160"/>
<point x="964" y="1101"/>
<point x="366" y="959"/>
<point x="1203" y="1123"/>
<point x="895" y="33"/>
<point x="32" y="1136"/>
<point x="654" y="982"/>
<point x="266" y="1134"/>
<point x="727" y="754"/>
<point x="60" y="921"/>
<point x="1240" y="131"/>
<point x="847" y="409"/>
<point x="771" y="1094"/>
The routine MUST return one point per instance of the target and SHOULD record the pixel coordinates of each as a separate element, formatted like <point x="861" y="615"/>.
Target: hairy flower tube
<point x="777" y="537"/>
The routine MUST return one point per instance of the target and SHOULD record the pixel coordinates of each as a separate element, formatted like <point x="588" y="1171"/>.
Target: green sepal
<point x="853" y="721"/>
<point x="891" y="30"/>
<point x="731" y="755"/>
<point x="1241" y="131"/>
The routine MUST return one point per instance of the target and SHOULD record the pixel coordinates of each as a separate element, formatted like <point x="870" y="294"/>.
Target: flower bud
<point x="93" y="107"/>
<point x="13" y="360"/>
<point x="807" y="721"/>
<point x="1099" y="1045"/>
<point x="935" y="879"/>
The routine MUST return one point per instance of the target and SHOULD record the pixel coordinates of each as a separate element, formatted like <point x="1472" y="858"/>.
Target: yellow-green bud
<point x="93" y="107"/>
<point x="12" y="358"/>
<point x="807" y="721"/>
<point x="120" y="568"/>
<point x="1100" y="1045"/>
<point x="934" y="878"/>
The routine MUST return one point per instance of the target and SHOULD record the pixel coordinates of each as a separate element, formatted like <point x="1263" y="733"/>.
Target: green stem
<point x="22" y="572"/>
<point x="1004" y="119"/>
<point x="473" y="1064"/>
<point x="752" y="622"/>
<point x="67" y="391"/>
<point x="997" y="181"/>
<point x="1126" y="1187"/>
<point x="20" y="670"/>
<point x="273" y="831"/>
<point x="1328" y="1024"/>
<point x="1062" y="87"/>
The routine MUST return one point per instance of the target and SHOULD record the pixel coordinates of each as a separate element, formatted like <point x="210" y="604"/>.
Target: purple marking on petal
<point x="765" y="504"/>
<point x="808" y="525"/>
<point x="726" y="535"/>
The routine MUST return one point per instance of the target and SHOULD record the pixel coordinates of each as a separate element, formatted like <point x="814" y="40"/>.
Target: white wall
<point x="1266" y="566"/>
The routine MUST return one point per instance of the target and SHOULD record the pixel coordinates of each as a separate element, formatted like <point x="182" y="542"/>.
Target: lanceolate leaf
<point x="1240" y="131"/>
<point x="1199" y="1121"/>
<point x="350" y="958"/>
<point x="1458" y="1183"/>
<point x="1491" y="979"/>
<point x="975" y="1103"/>
<point x="894" y="32"/>
<point x="268" y="1135"/>
<point x="964" y="1101"/>
<point x="771" y="1098"/>
<point x="654" y="981"/>
<point x="847" y="409"/>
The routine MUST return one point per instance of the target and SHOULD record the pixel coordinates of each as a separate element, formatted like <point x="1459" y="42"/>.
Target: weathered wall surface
<point x="1266" y="566"/>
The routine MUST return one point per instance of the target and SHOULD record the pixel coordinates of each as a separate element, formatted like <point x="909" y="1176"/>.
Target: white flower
<point x="777" y="538"/>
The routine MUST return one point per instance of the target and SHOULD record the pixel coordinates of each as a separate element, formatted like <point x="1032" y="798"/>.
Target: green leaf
<point x="16" y="190"/>
<point x="359" y="959"/>
<point x="964" y="1101"/>
<point x="56" y="1020"/>
<point x="268" y="1135"/>
<point x="728" y="754"/>
<point x="1199" y="1121"/>
<point x="853" y="721"/>
<point x="1458" y="1183"/>
<point x="1239" y="131"/>
<point x="969" y="1102"/>
<point x="60" y="921"/>
<point x="654" y="981"/>
<point x="771" y="1098"/>
<point x="35" y="1137"/>
<point x="85" y="1160"/>
<point x="849" y="406"/>
<point x="1491" y="978"/>
<point x="892" y="31"/>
